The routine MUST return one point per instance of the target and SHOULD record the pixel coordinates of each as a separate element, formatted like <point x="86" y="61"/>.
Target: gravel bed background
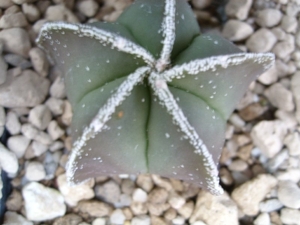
<point x="260" y="163"/>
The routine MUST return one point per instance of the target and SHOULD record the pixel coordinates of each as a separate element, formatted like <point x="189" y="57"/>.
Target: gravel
<point x="259" y="167"/>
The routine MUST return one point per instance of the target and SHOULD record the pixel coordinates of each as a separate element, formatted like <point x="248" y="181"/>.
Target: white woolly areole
<point x="168" y="29"/>
<point x="103" y="115"/>
<point x="116" y="41"/>
<point x="167" y="99"/>
<point x="211" y="63"/>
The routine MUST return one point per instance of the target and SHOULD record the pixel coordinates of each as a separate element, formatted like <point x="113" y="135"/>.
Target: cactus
<point x="150" y="93"/>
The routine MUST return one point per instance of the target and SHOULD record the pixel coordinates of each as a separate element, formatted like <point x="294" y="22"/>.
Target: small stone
<point x="117" y="217"/>
<point x="55" y="146"/>
<point x="6" y="3"/>
<point x="58" y="89"/>
<point x="257" y="188"/>
<point x="3" y="70"/>
<point x="38" y="148"/>
<point x="17" y="61"/>
<point x="127" y="186"/>
<point x="238" y="8"/>
<point x="16" y="40"/>
<point x="292" y="174"/>
<point x="274" y="163"/>
<point x="158" y="196"/>
<point x="13" y="124"/>
<point x="109" y="191"/>
<point x="12" y="218"/>
<point x="198" y="223"/>
<point x="238" y="165"/>
<point x="88" y="8"/>
<point x="138" y="208"/>
<point x="262" y="219"/>
<point x="289" y="24"/>
<point x="139" y="195"/>
<point x="13" y="20"/>
<point x="284" y="48"/>
<point x="15" y="91"/>
<point x="2" y="116"/>
<point x="40" y="116"/>
<point x="290" y="216"/>
<point x="268" y="17"/>
<point x="178" y="220"/>
<point x="60" y="13"/>
<point x="289" y="194"/>
<point x="208" y="205"/>
<point x="270" y="76"/>
<point x="29" y="131"/>
<point x="18" y="144"/>
<point x="35" y="171"/>
<point x="99" y="221"/>
<point x="13" y="203"/>
<point x="31" y="12"/>
<point x="42" y="203"/>
<point x="157" y="209"/>
<point x="252" y="111"/>
<point x="94" y="208"/>
<point x="186" y="210"/>
<point x="54" y="130"/>
<point x="162" y="182"/>
<point x="39" y="61"/>
<point x="8" y="161"/>
<point x="279" y="33"/>
<point x="157" y="221"/>
<point x="141" y="220"/>
<point x="268" y="136"/>
<point x="70" y="219"/>
<point x="270" y="205"/>
<point x="225" y="176"/>
<point x="55" y="105"/>
<point x="175" y="200"/>
<point x="292" y="141"/>
<point x="67" y="113"/>
<point x="280" y="97"/>
<point x="74" y="194"/>
<point x="236" y="30"/>
<point x="295" y="87"/>
<point x="262" y="40"/>
<point x="145" y="182"/>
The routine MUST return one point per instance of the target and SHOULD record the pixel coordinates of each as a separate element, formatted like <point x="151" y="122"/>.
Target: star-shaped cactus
<point x="150" y="94"/>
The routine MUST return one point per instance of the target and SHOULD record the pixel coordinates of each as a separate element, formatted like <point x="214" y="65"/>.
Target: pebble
<point x="270" y="205"/>
<point x="257" y="188"/>
<point x="94" y="208"/>
<point x="12" y="218"/>
<point x="109" y="191"/>
<point x="290" y="216"/>
<point x="38" y="148"/>
<point x="13" y="201"/>
<point x="74" y="194"/>
<point x="40" y="116"/>
<point x="139" y="195"/>
<point x="69" y="219"/>
<point x="88" y="8"/>
<point x="14" y="92"/>
<point x="141" y="220"/>
<point x="54" y="130"/>
<point x="158" y="196"/>
<point x="157" y="209"/>
<point x="175" y="200"/>
<point x="18" y="144"/>
<point x="236" y="30"/>
<point x="295" y="87"/>
<point x="274" y="163"/>
<point x="207" y="205"/>
<point x="55" y="146"/>
<point x="55" y="105"/>
<point x="31" y="12"/>
<point x="292" y="141"/>
<point x="145" y="182"/>
<point x="289" y="194"/>
<point x="268" y="17"/>
<point x="6" y="3"/>
<point x="3" y="68"/>
<point x="270" y="76"/>
<point x="8" y="161"/>
<point x="58" y="89"/>
<point x="67" y="113"/>
<point x="262" y="219"/>
<point x="17" y="61"/>
<point x="262" y="40"/>
<point x="279" y="33"/>
<point x="284" y="48"/>
<point x="238" y="165"/>
<point x="39" y="61"/>
<point x="42" y="203"/>
<point x="16" y="40"/>
<point x="186" y="210"/>
<point x="35" y="171"/>
<point x="268" y="136"/>
<point x="2" y="116"/>
<point x="127" y="186"/>
<point x="99" y="221"/>
<point x="138" y="208"/>
<point x="60" y="13"/>
<point x="12" y="124"/>
<point x="238" y="8"/>
<point x="29" y="131"/>
<point x="13" y="20"/>
<point x="252" y="111"/>
<point x="292" y="174"/>
<point x="289" y="24"/>
<point x="117" y="217"/>
<point x="280" y="97"/>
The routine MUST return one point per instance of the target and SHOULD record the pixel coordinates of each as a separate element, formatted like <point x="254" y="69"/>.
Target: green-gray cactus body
<point x="150" y="94"/>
